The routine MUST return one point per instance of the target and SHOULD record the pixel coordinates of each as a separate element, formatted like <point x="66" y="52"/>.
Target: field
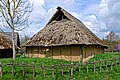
<point x="31" y="71"/>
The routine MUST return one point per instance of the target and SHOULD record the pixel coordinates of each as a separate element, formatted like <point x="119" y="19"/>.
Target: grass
<point x="37" y="61"/>
<point x="105" y="56"/>
<point x="82" y="75"/>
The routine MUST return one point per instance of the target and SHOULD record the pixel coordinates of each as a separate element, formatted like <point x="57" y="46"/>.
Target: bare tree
<point x="15" y="14"/>
<point x="24" y="39"/>
<point x="112" y="40"/>
<point x="112" y="36"/>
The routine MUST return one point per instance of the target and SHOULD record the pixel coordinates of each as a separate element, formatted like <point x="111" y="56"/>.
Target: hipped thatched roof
<point x="6" y="40"/>
<point x="64" y="29"/>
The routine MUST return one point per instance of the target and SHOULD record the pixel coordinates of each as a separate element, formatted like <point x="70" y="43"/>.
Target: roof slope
<point x="64" y="29"/>
<point x="8" y="35"/>
<point x="5" y="43"/>
<point x="6" y="40"/>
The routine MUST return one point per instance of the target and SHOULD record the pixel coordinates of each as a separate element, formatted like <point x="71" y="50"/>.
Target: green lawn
<point x="113" y="74"/>
<point x="37" y="61"/>
<point x="105" y="56"/>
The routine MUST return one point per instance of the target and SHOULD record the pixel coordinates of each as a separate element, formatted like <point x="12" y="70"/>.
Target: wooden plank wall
<point x="70" y="53"/>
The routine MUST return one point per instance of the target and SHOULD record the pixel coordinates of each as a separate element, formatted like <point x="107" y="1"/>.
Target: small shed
<point x="6" y="44"/>
<point x="64" y="37"/>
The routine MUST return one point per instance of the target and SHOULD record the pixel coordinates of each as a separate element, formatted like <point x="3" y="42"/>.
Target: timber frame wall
<point x="69" y="52"/>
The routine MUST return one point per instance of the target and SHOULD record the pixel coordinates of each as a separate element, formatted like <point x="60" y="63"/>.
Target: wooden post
<point x="25" y="53"/>
<point x="52" y="51"/>
<point x="12" y="70"/>
<point x="116" y="61"/>
<point x="91" y="50"/>
<point x="106" y="64"/>
<point x="33" y="71"/>
<point x="0" y="69"/>
<point x="81" y="53"/>
<point x="37" y="51"/>
<point x="70" y="53"/>
<point x="106" y="69"/>
<point x="111" y="64"/>
<point x="23" y="69"/>
<point x="62" y="70"/>
<point x="60" y="53"/>
<point x="87" y="66"/>
<point x="85" y="51"/>
<point x="94" y="66"/>
<point x="87" y="77"/>
<point x="71" y="74"/>
<point x="28" y="51"/>
<point x="43" y="70"/>
<point x="100" y="66"/>
<point x="53" y="71"/>
<point x="79" y="66"/>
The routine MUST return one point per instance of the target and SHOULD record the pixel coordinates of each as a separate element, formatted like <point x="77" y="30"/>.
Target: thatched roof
<point x="5" y="43"/>
<point x="6" y="40"/>
<point x="64" y="29"/>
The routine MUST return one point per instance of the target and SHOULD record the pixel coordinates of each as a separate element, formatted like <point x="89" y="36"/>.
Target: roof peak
<point x="59" y="8"/>
<point x="69" y="31"/>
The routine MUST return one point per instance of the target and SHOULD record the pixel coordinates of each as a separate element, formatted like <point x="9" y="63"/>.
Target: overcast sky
<point x="100" y="16"/>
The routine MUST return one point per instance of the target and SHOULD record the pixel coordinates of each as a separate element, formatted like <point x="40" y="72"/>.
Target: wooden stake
<point x="33" y="71"/>
<point x="71" y="69"/>
<point x="94" y="66"/>
<point x="0" y="69"/>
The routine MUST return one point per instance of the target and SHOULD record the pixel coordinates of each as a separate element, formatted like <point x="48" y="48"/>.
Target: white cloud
<point x="109" y="12"/>
<point x="37" y="18"/>
<point x="100" y="18"/>
<point x="40" y="2"/>
<point x="41" y="15"/>
<point x="92" y="23"/>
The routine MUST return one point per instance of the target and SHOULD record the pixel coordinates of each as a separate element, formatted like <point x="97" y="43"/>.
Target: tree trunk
<point x="13" y="43"/>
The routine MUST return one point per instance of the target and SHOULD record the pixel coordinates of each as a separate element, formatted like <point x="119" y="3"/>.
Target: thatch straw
<point x="5" y="43"/>
<point x="64" y="29"/>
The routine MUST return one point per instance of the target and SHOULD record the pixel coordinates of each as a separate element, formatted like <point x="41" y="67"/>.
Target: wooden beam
<point x="81" y="53"/>
<point x="91" y="50"/>
<point x="60" y="52"/>
<point x="57" y="18"/>
<point x="70" y="54"/>
<point x="52" y="51"/>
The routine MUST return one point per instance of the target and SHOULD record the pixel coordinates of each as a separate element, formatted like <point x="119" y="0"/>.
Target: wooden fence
<point x="83" y="71"/>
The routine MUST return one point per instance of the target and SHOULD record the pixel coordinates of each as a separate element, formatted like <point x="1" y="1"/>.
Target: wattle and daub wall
<point x="69" y="53"/>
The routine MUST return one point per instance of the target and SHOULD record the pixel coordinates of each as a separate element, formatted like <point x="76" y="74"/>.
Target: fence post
<point x="106" y="64"/>
<point x="12" y="70"/>
<point x="111" y="63"/>
<point x="53" y="71"/>
<point x="23" y="69"/>
<point x="0" y="69"/>
<point x="62" y="70"/>
<point x="116" y="61"/>
<point x="106" y="69"/>
<point x="100" y="66"/>
<point x="94" y="65"/>
<point x="33" y="71"/>
<point x="87" y="66"/>
<point x="79" y="66"/>
<point x="87" y="76"/>
<point x="71" y="69"/>
<point x="43" y="71"/>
